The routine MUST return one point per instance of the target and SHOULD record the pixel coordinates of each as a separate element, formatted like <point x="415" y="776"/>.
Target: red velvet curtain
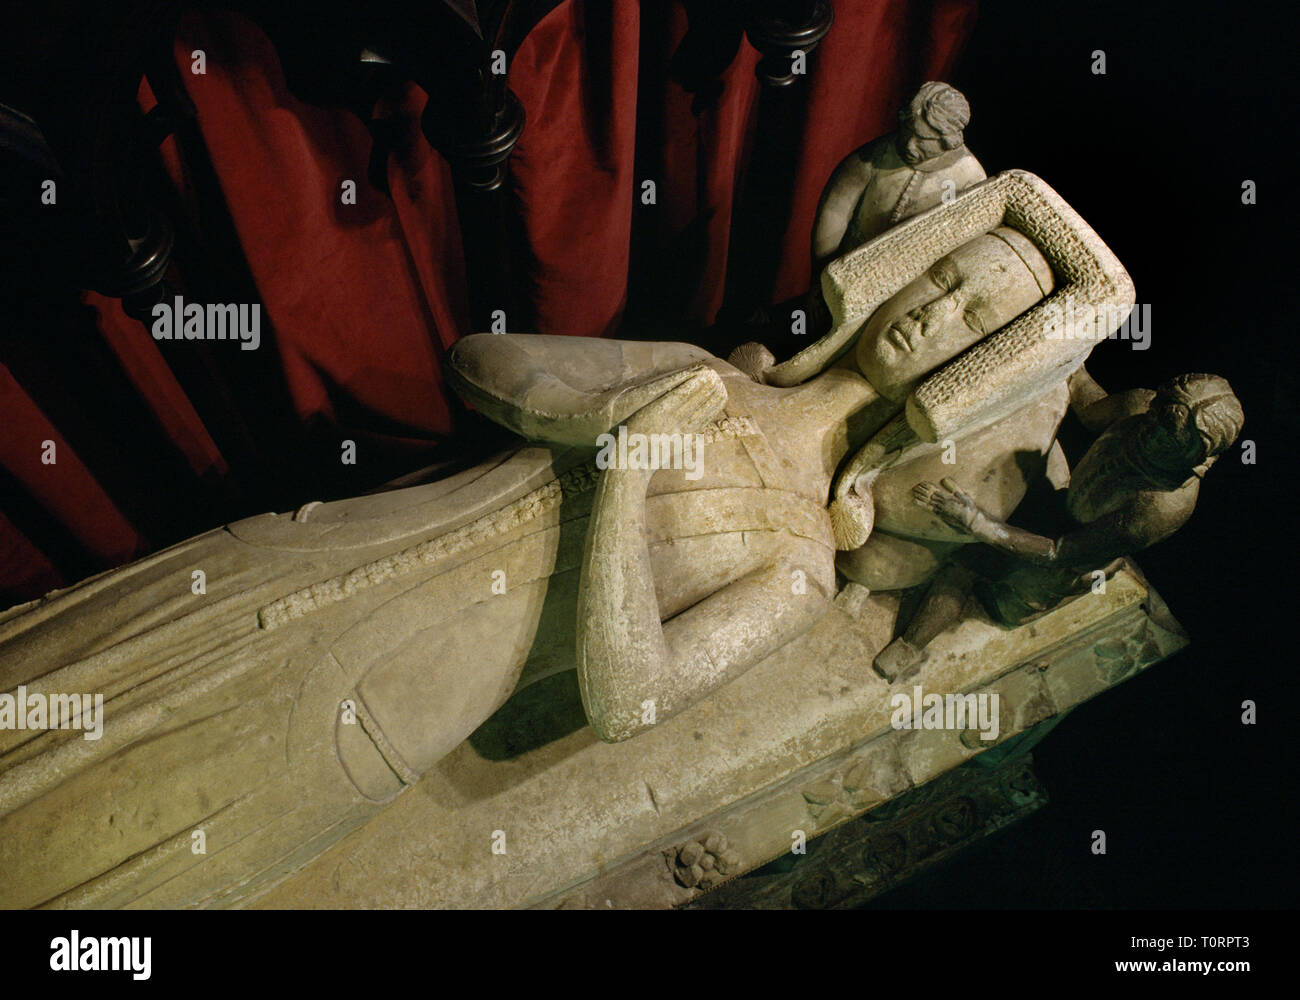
<point x="360" y="302"/>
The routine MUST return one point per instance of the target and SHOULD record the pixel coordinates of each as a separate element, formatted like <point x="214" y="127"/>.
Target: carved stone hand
<point x="697" y="397"/>
<point x="949" y="502"/>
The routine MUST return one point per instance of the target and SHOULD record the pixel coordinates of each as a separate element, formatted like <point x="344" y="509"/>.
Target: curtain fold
<point x="571" y="174"/>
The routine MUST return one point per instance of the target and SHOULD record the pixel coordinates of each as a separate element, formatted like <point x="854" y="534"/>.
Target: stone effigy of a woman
<point x="341" y="651"/>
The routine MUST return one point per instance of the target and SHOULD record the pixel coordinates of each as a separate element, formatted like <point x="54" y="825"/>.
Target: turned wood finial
<point x="779" y="28"/>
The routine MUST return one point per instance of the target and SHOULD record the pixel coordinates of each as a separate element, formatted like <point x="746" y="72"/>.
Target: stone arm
<point x="838" y="202"/>
<point x="635" y="670"/>
<point x="1096" y="409"/>
<point x="1149" y="518"/>
<point x="564" y="390"/>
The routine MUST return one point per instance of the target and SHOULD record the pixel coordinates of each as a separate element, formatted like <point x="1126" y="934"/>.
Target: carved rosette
<point x="1115" y="658"/>
<point x="779" y="28"/>
<point x="883" y="858"/>
<point x="703" y="862"/>
<point x="863" y="781"/>
<point x="1020" y="785"/>
<point x="816" y="891"/>
<point x="954" y="821"/>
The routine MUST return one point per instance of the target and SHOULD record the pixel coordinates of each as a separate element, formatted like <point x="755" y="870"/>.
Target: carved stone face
<point x="1170" y="440"/>
<point x="918" y="142"/>
<point x="964" y="297"/>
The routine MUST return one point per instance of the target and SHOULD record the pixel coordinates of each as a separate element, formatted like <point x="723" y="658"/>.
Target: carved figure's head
<point x="1193" y="419"/>
<point x="932" y="123"/>
<point x="965" y="296"/>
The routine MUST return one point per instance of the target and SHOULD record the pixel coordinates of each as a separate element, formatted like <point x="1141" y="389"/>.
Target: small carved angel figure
<point x="898" y="175"/>
<point x="893" y="178"/>
<point x="1135" y="486"/>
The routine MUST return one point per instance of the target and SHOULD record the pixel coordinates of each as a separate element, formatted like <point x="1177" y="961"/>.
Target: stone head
<point x="1193" y="419"/>
<point x="965" y="296"/>
<point x="932" y="123"/>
